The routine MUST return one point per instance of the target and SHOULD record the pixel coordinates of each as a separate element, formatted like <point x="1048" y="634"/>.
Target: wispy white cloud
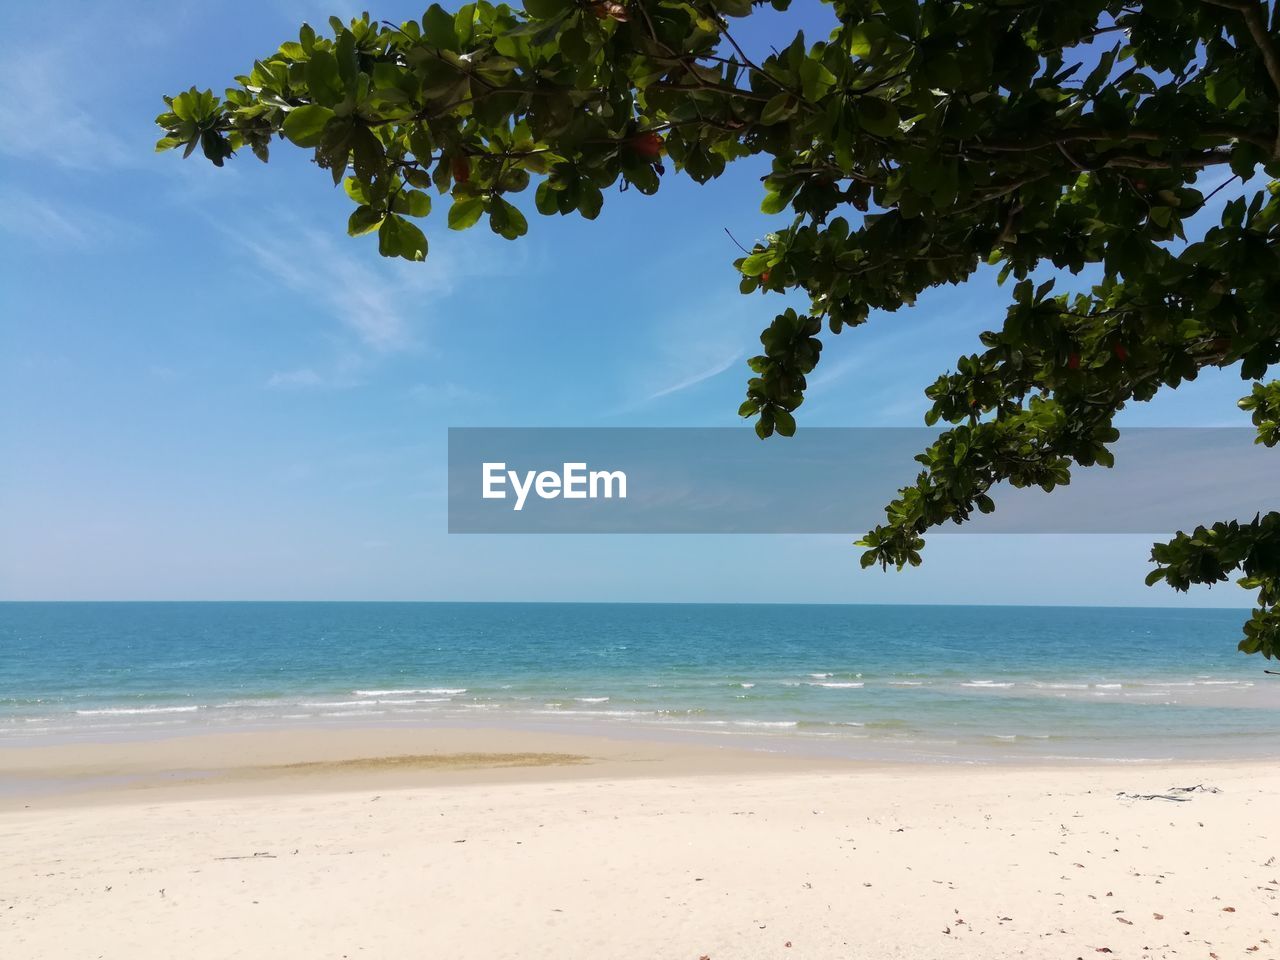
<point x="689" y="349"/>
<point x="40" y="117"/>
<point x="163" y="372"/>
<point x="293" y="379"/>
<point x="35" y="219"/>
<point x="369" y="300"/>
<point x="61" y="95"/>
<point x="711" y="369"/>
<point x="379" y="307"/>
<point x="695" y="366"/>
<point x="446" y="394"/>
<point x="39" y="221"/>
<point x="833" y="371"/>
<point x="344" y="370"/>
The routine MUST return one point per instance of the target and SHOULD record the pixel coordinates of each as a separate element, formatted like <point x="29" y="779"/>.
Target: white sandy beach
<point x="490" y="844"/>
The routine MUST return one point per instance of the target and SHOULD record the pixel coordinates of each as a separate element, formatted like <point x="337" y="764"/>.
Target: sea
<point x="934" y="683"/>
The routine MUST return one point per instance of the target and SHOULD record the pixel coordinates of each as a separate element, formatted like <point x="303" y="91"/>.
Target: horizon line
<point x="662" y="603"/>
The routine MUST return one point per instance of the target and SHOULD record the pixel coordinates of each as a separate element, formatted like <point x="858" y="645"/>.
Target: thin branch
<point x="1214" y="192"/>
<point x="736" y="243"/>
<point x="1140" y="134"/>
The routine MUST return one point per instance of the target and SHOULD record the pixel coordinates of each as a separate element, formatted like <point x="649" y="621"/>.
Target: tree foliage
<point x="915" y="144"/>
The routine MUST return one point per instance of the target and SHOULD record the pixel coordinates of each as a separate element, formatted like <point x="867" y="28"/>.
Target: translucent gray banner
<point x="826" y="480"/>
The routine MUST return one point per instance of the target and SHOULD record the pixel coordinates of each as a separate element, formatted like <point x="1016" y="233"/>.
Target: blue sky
<point x="208" y="391"/>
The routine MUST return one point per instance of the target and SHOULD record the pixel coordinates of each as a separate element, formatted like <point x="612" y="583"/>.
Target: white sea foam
<point x="839" y="685"/>
<point x="1053" y="756"/>
<point x="129" y="711"/>
<point x="592" y="699"/>
<point x="409" y="693"/>
<point x="335" y="703"/>
<point x="1108" y="686"/>
<point x="764" y="723"/>
<point x="991" y="684"/>
<point x="906" y="683"/>
<point x="821" y="676"/>
<point x="236" y="704"/>
<point x="746" y="686"/>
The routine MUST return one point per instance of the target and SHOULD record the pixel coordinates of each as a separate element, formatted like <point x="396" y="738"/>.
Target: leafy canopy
<point x="916" y="143"/>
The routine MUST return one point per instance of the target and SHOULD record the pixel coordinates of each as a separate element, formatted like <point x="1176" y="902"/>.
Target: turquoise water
<point x="876" y="681"/>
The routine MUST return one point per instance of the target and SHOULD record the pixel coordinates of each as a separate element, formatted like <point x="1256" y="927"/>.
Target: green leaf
<point x="878" y="116"/>
<point x="775" y="201"/>
<point x="322" y="78"/>
<point x="348" y="61"/>
<point x="590" y="202"/>
<point x="778" y="109"/>
<point x="546" y="9"/>
<point x="355" y="190"/>
<point x="464" y="213"/>
<point x="364" y="219"/>
<point x="545" y="199"/>
<point x="865" y="38"/>
<point x="397" y="237"/>
<point x="417" y="178"/>
<point x="506" y="220"/>
<point x="304" y="125"/>
<point x="437" y="29"/>
<point x="413" y="202"/>
<point x="815" y="80"/>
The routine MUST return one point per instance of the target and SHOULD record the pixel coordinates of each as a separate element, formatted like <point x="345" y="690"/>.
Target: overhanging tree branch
<point x="916" y="143"/>
<point x="1255" y="16"/>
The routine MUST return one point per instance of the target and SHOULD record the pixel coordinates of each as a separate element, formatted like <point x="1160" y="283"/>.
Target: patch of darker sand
<point x="429" y="761"/>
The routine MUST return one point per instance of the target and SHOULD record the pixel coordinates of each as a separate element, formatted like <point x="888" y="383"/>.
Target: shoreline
<point x="180" y="766"/>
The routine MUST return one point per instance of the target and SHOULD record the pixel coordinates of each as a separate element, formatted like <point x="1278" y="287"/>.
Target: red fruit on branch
<point x="1121" y="352"/>
<point x="461" y="169"/>
<point x="647" y="144"/>
<point x="764" y="277"/>
<point x="1073" y="362"/>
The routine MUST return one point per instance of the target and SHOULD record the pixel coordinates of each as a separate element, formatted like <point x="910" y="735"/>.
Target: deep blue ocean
<point x="940" y="682"/>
